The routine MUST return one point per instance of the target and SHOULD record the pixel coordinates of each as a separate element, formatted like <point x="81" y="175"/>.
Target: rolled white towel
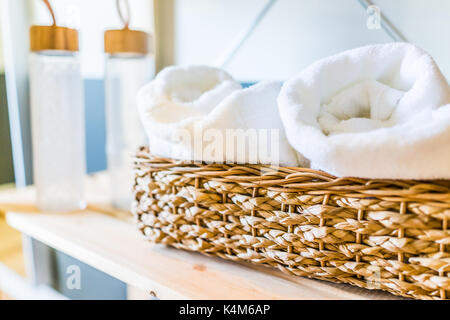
<point x="201" y="113"/>
<point x="380" y="111"/>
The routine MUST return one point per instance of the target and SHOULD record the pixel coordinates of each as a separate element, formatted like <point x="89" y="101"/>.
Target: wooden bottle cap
<point x="53" y="38"/>
<point x="127" y="41"/>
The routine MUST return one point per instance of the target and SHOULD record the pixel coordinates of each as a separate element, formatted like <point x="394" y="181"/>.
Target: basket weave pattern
<point x="385" y="234"/>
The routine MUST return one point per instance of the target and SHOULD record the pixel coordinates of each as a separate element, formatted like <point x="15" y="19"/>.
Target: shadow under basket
<point x="378" y="234"/>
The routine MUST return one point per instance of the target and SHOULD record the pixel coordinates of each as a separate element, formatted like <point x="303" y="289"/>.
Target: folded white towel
<point x="380" y="111"/>
<point x="201" y="113"/>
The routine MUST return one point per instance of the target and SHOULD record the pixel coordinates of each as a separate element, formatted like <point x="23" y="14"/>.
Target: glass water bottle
<point x="129" y="65"/>
<point x="57" y="118"/>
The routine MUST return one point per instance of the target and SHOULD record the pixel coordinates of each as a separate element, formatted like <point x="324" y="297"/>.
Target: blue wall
<point x="95" y="125"/>
<point x="95" y="130"/>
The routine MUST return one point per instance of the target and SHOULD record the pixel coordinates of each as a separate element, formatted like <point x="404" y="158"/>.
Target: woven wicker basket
<point x="386" y="234"/>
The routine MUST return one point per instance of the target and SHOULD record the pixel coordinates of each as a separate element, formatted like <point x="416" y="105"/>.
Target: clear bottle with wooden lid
<point x="129" y="65"/>
<point x="57" y="118"/>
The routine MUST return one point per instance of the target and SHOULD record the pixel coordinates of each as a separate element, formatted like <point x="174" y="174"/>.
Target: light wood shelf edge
<point x="116" y="248"/>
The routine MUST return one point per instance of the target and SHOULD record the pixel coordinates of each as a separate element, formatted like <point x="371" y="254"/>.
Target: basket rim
<point x="298" y="179"/>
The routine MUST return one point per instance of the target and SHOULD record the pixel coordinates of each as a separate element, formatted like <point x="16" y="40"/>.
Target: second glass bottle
<point x="129" y="65"/>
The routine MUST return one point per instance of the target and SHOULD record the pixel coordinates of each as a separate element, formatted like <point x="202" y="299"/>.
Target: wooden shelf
<point x="97" y="237"/>
<point x="11" y="254"/>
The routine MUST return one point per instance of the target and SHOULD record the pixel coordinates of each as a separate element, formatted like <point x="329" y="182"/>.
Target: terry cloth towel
<point x="200" y="113"/>
<point x="380" y="111"/>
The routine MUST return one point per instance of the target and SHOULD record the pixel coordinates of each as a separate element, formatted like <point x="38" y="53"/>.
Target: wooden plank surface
<point x="97" y="196"/>
<point x="23" y="200"/>
<point x="11" y="254"/>
<point x="115" y="247"/>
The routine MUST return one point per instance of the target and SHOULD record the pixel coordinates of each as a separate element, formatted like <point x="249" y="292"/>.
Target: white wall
<point x="425" y="23"/>
<point x="297" y="32"/>
<point x="92" y="18"/>
<point x="292" y="35"/>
